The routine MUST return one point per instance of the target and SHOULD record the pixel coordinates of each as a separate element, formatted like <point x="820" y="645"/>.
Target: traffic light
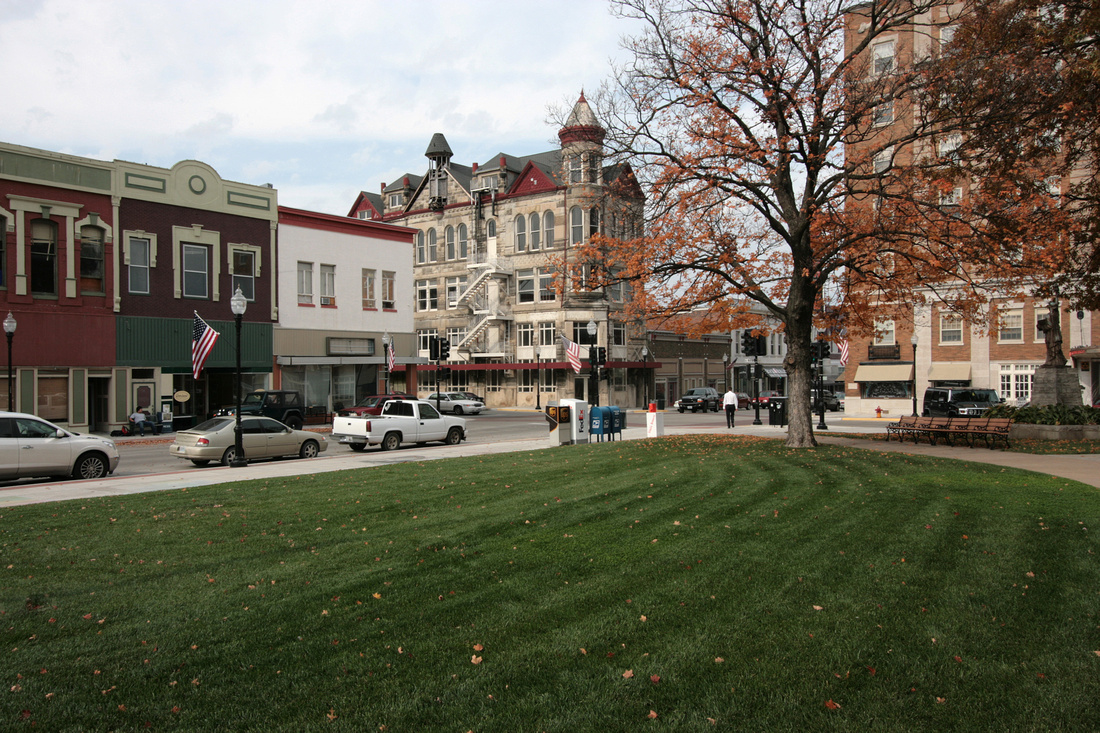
<point x="748" y="344"/>
<point x="825" y="350"/>
<point x="444" y="349"/>
<point x="603" y="355"/>
<point x="814" y="352"/>
<point x="605" y="374"/>
<point x="444" y="374"/>
<point x="433" y="348"/>
<point x="598" y="356"/>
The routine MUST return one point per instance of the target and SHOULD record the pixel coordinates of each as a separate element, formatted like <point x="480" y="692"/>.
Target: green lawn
<point x="720" y="582"/>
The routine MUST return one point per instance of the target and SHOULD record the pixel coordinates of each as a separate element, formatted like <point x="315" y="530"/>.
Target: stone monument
<point x="1055" y="383"/>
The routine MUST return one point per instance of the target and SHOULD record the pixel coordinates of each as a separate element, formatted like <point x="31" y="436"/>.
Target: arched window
<point x="91" y="259"/>
<point x="576" y="225"/>
<point x="431" y="245"/>
<point x="534" y="219"/>
<point x="421" y="250"/>
<point x="521" y="233"/>
<point x="449" y="238"/>
<point x="43" y="257"/>
<point x="491" y="228"/>
<point x="548" y="229"/>
<point x="593" y="221"/>
<point x="462" y="242"/>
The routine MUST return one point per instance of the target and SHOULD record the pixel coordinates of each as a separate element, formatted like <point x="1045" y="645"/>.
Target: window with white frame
<point x="432" y="248"/>
<point x="455" y="287"/>
<point x="328" y="285"/>
<point x="395" y="199"/>
<point x="91" y="259"/>
<point x="463" y="242"/>
<point x="883" y="160"/>
<point x="421" y="248"/>
<point x="1017" y="381"/>
<point x="576" y="225"/>
<point x="519" y="233"/>
<point x="525" y="378"/>
<point x="139" y="256"/>
<point x="546" y="285"/>
<point x="43" y="257"/>
<point x="369" y="302"/>
<point x="1011" y="328"/>
<point x="548" y="229"/>
<point x="536" y="231"/>
<point x="196" y="271"/>
<point x="947" y="36"/>
<point x="547" y="333"/>
<point x="618" y="334"/>
<point x="593" y="221"/>
<point x="883" y="114"/>
<point x="491" y="229"/>
<point x="305" y="283"/>
<point x="948" y="146"/>
<point x="427" y="295"/>
<point x="244" y="272"/>
<point x="525" y="334"/>
<point x="494" y="380"/>
<point x="455" y="336"/>
<point x="1041" y="312"/>
<point x="449" y="240"/>
<point x="952" y="197"/>
<point x="525" y="286"/>
<point x="424" y="338"/>
<point x="882" y="58"/>
<point x="884" y="333"/>
<point x="951" y="328"/>
<point x="389" y="283"/>
<point x="575" y="165"/>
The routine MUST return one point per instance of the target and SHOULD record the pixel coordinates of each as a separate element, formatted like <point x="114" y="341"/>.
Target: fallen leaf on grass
<point x="475" y="659"/>
<point x="819" y="608"/>
<point x="478" y="647"/>
<point x="628" y="674"/>
<point x="832" y="705"/>
<point x="941" y="700"/>
<point x="718" y="660"/>
<point x="652" y="715"/>
<point x="654" y="678"/>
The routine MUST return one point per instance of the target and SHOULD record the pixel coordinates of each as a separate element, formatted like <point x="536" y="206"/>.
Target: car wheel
<point x="229" y="456"/>
<point x="294" y="422"/>
<point x="200" y="461"/>
<point x="454" y="436"/>
<point x="681" y="411"/>
<point x="309" y="449"/>
<point x="90" y="465"/>
<point x="357" y="447"/>
<point x="458" y="410"/>
<point x="391" y="441"/>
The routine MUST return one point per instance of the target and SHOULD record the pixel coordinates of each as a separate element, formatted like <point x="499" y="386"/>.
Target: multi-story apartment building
<point x="345" y="287"/>
<point x="929" y="345"/>
<point x="495" y="272"/>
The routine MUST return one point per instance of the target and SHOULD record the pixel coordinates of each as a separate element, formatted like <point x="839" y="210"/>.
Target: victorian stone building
<point x="496" y="274"/>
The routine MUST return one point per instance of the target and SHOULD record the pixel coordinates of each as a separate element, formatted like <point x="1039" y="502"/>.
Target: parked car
<point x="832" y="404"/>
<point x="32" y="447"/>
<point x="474" y="397"/>
<point x="401" y="421"/>
<point x="840" y="400"/>
<point x="456" y="403"/>
<point x="744" y="402"/>
<point x="371" y="405"/>
<point x="261" y="437"/>
<point x="765" y="397"/>
<point x="283" y="405"/>
<point x="958" y="402"/>
<point x="700" y="399"/>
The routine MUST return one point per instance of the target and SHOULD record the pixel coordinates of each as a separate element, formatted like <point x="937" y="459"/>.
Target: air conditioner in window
<point x="328" y="300"/>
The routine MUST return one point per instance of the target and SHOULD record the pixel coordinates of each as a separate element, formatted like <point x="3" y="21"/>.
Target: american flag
<point x="573" y="353"/>
<point x="203" y="339"/>
<point x="844" y="352"/>
<point x="391" y="359"/>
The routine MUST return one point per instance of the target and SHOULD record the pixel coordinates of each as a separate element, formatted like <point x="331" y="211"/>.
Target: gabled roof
<point x="398" y="184"/>
<point x="370" y="202"/>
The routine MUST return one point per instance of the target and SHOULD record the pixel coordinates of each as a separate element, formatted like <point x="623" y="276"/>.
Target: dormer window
<point x="395" y="199"/>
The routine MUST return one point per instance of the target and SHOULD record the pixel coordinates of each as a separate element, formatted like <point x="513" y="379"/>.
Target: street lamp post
<point x="9" y="331"/>
<point x="593" y="375"/>
<point x="238" y="305"/>
<point x="645" y="378"/>
<point x="914" y="342"/>
<point x="386" y="361"/>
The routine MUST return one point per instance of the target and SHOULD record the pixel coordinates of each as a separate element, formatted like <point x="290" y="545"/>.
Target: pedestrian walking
<point x="729" y="401"/>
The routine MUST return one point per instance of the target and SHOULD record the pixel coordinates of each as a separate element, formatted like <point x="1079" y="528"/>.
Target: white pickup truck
<point x="401" y="421"/>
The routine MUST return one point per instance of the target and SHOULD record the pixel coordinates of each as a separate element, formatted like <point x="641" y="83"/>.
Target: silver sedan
<point x="261" y="437"/>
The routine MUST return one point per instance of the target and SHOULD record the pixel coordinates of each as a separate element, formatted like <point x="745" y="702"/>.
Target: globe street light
<point x="9" y="331"/>
<point x="238" y="304"/>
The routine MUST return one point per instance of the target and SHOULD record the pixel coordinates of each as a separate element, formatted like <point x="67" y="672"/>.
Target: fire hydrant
<point x="878" y="412"/>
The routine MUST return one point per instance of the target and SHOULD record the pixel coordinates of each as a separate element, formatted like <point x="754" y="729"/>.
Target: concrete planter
<point x="1025" y="431"/>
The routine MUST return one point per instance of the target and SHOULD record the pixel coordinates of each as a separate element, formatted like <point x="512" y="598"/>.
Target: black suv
<point x="832" y="402"/>
<point x="283" y="405"/>
<point x="958" y="401"/>
<point x="701" y="399"/>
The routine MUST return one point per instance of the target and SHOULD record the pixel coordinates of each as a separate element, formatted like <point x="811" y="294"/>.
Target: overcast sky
<point x="321" y="98"/>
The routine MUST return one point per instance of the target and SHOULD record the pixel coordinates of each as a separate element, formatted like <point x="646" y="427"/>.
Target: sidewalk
<point x="1085" y="469"/>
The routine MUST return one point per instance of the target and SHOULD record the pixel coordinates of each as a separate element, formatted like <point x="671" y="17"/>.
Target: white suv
<point x="31" y="446"/>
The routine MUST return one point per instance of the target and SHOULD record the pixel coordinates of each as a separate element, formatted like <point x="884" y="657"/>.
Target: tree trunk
<point x="799" y="327"/>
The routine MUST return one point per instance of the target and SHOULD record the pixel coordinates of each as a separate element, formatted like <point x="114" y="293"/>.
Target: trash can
<point x="777" y="411"/>
<point x="661" y="403"/>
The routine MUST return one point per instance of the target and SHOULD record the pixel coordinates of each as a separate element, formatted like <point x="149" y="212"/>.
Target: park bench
<point x="901" y="428"/>
<point x="989" y="429"/>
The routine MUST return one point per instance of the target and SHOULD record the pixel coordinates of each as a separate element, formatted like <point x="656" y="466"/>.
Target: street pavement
<point x="1083" y="468"/>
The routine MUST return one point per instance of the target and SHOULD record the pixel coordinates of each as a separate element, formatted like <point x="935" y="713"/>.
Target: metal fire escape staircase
<point x="476" y="298"/>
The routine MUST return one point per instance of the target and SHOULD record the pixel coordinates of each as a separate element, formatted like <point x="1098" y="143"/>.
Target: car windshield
<point x="369" y="401"/>
<point x="212" y="425"/>
<point x="977" y="395"/>
<point x="254" y="398"/>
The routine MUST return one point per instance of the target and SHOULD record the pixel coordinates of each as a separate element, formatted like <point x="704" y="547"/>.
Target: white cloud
<point x="312" y="97"/>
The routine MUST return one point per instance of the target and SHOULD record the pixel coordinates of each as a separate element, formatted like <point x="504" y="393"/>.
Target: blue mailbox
<point x="618" y="420"/>
<point x="600" y="421"/>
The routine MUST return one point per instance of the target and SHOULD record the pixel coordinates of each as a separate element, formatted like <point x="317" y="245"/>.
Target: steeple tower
<point x="582" y="145"/>
<point x="439" y="156"/>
